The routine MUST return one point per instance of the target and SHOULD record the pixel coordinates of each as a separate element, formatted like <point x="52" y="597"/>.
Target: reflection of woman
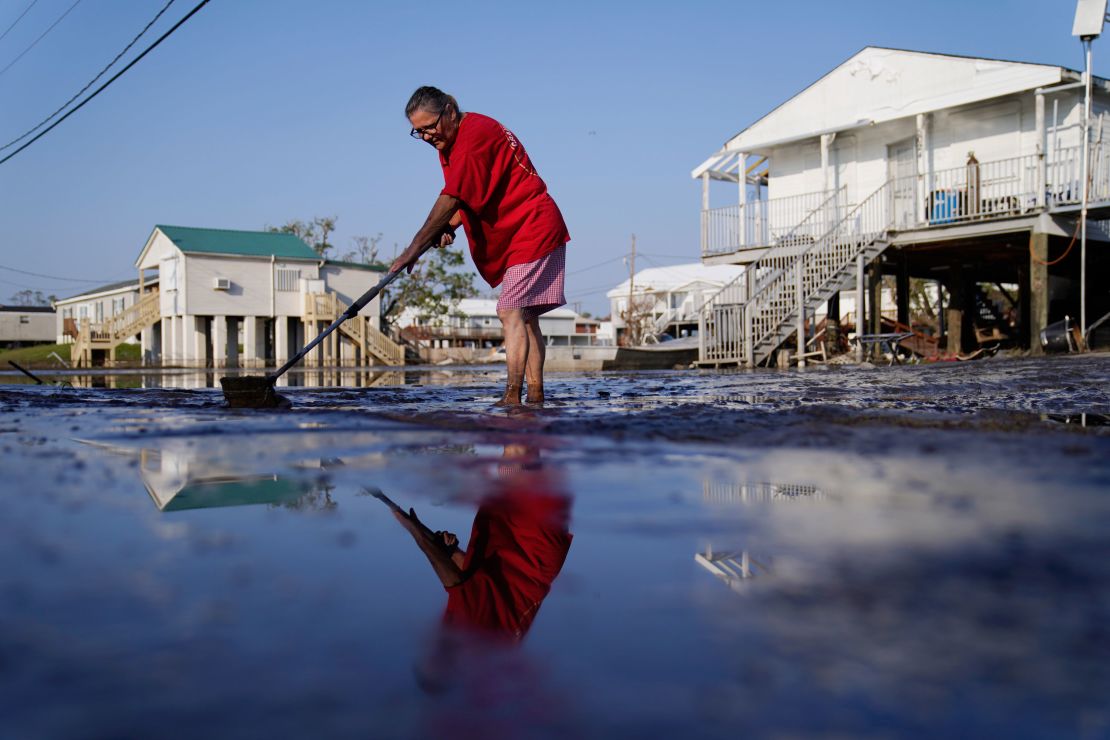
<point x="517" y="546"/>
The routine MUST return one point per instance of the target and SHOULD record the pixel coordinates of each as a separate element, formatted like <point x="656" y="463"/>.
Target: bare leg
<point x="516" y="354"/>
<point x="533" y="369"/>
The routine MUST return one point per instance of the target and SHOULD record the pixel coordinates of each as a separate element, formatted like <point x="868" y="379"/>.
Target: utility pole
<point x="631" y="279"/>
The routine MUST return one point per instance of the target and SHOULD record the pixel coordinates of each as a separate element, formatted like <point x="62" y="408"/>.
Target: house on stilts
<point x="962" y="175"/>
<point x="220" y="298"/>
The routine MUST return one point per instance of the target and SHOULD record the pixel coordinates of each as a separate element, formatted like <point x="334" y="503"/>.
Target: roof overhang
<point x="879" y="85"/>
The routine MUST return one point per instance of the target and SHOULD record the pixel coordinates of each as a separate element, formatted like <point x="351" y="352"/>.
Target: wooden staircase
<point x="108" y="335"/>
<point x="360" y="330"/>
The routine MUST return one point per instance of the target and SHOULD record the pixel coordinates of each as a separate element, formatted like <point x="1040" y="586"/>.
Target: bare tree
<point x="32" y="298"/>
<point x="365" y="249"/>
<point x="639" y="320"/>
<point x="314" y="233"/>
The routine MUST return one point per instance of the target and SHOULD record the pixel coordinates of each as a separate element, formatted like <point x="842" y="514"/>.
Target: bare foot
<point x="535" y="396"/>
<point x="511" y="397"/>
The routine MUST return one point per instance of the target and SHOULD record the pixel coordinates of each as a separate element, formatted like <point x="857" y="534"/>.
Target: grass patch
<point x="38" y="356"/>
<point x="35" y="356"/>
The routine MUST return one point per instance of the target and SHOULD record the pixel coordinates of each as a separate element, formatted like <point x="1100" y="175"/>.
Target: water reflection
<point x="177" y="481"/>
<point x="726" y="493"/>
<point x="736" y="567"/>
<point x="518" y="543"/>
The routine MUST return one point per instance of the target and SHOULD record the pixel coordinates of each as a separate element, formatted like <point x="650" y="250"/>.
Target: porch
<point x="972" y="193"/>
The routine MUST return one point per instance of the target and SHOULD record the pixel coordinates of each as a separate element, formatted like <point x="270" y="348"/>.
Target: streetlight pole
<point x="1086" y="189"/>
<point x="1089" y="18"/>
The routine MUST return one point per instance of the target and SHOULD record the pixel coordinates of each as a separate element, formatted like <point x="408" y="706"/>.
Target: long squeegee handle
<point x="350" y="313"/>
<point x="26" y="372"/>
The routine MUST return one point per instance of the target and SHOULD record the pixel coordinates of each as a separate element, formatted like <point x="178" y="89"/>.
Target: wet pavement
<point x="842" y="552"/>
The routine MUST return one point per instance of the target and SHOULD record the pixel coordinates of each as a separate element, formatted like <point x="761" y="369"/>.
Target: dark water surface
<point x="892" y="552"/>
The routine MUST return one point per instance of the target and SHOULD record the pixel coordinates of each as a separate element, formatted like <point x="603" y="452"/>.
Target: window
<point x="25" y="319"/>
<point x="286" y="278"/>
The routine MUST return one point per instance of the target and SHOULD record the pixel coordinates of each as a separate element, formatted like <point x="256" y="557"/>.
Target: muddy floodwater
<point x="841" y="552"/>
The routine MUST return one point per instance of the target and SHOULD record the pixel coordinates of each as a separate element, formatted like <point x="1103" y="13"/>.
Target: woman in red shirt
<point x="516" y="233"/>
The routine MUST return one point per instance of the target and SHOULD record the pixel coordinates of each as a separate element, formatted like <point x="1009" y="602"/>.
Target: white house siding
<point x="349" y="283"/>
<point x="250" y="286"/>
<point x="26" y="326"/>
<point x="999" y="129"/>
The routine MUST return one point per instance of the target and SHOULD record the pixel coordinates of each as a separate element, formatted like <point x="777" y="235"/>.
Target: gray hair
<point x="430" y="99"/>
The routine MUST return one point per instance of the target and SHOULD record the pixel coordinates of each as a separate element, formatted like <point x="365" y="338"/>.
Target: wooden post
<point x="861" y="295"/>
<point x="875" y="298"/>
<point x="1042" y="160"/>
<point x="742" y="172"/>
<point x="956" y="319"/>
<point x="832" y="325"/>
<point x="705" y="213"/>
<point x="903" y="291"/>
<point x="1038" y="288"/>
<point x="924" y="167"/>
<point x="799" y="289"/>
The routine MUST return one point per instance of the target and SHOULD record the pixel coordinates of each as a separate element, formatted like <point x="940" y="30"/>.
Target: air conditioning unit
<point x="221" y="283"/>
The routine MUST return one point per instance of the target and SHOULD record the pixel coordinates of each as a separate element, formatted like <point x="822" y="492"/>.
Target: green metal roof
<point x="371" y="266"/>
<point x="212" y="494"/>
<point x="247" y="243"/>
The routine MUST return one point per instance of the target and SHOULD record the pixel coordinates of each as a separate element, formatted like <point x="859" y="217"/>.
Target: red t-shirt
<point x="517" y="547"/>
<point x="509" y="217"/>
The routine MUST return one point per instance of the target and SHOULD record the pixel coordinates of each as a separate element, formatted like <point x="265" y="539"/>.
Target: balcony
<point x="973" y="192"/>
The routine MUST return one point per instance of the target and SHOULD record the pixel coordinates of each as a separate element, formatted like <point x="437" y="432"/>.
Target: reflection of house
<point x="734" y="567"/>
<point x="239" y="298"/>
<point x="671" y="298"/>
<point x="178" y="479"/>
<point x="97" y="306"/>
<point x="23" y="325"/>
<point x="957" y="170"/>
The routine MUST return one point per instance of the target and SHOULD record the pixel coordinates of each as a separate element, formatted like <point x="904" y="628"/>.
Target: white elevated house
<point x="964" y="171"/>
<point x="240" y="299"/>
<point x="24" y="325"/>
<point x="670" y="298"/>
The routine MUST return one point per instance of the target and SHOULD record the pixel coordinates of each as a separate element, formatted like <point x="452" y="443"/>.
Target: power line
<point x="686" y="257"/>
<point x="53" y="277"/>
<point x="78" y="94"/>
<point x="40" y="38"/>
<point x="599" y="264"/>
<point x="17" y="20"/>
<point x="115" y="77"/>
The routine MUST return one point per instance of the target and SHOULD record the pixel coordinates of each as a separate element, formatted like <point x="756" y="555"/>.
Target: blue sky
<point x="255" y="113"/>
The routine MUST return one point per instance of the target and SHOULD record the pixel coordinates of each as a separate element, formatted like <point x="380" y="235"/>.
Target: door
<point x="901" y="159"/>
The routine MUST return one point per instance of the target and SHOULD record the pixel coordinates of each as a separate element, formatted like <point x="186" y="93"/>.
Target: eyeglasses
<point x="420" y="133"/>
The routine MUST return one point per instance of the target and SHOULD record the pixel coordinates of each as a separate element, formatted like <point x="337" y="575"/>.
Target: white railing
<point x="795" y="241"/>
<point x="763" y="223"/>
<point x="972" y="192"/>
<point x="731" y="332"/>
<point x="776" y="303"/>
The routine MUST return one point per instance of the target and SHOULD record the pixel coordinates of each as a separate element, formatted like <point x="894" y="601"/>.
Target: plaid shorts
<point x="536" y="287"/>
